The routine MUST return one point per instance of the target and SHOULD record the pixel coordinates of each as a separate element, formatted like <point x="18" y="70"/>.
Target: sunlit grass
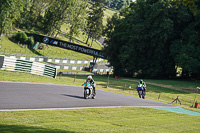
<point x="124" y="119"/>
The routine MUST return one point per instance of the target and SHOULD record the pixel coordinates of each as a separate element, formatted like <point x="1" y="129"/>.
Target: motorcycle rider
<point x="91" y="80"/>
<point x="143" y="84"/>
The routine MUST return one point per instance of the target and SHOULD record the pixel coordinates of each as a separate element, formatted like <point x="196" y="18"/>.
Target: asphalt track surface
<point x="35" y="96"/>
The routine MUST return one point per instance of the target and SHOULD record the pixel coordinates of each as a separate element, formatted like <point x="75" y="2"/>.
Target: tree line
<point x="48" y="16"/>
<point x="154" y="38"/>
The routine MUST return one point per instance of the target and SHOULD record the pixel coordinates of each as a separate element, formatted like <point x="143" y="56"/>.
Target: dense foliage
<point x="22" y="38"/>
<point x="95" y="22"/>
<point x="47" y="16"/>
<point x="117" y="4"/>
<point x="9" y="13"/>
<point x="154" y="39"/>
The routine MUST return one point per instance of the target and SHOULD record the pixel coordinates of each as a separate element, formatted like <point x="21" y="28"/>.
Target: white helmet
<point x="89" y="77"/>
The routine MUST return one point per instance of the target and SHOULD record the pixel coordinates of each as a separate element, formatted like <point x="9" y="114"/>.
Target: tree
<point x="37" y="9"/>
<point x="192" y="4"/>
<point x="186" y="48"/>
<point x="140" y="42"/>
<point x="111" y="22"/>
<point x="95" y="22"/>
<point x="124" y="11"/>
<point x="117" y="4"/>
<point x="56" y="14"/>
<point x="24" y="19"/>
<point x="155" y="38"/>
<point x="5" y="6"/>
<point x="78" y="18"/>
<point x="5" y="13"/>
<point x="9" y="12"/>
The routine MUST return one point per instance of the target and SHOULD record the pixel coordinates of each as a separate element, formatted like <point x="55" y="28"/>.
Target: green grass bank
<point x="120" y="120"/>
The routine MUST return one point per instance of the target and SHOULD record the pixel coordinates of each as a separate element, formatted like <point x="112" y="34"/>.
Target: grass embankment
<point x="124" y="119"/>
<point x="8" y="46"/>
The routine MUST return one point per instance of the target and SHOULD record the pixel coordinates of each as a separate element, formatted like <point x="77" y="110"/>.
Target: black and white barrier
<point x="11" y="64"/>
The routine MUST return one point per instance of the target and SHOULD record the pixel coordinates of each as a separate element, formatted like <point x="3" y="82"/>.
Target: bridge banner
<point x="68" y="45"/>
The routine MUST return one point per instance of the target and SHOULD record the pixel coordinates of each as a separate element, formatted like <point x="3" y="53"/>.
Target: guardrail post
<point x="1" y="61"/>
<point x="60" y="74"/>
<point x="75" y="77"/>
<point x="124" y="87"/>
<point x="159" y="95"/>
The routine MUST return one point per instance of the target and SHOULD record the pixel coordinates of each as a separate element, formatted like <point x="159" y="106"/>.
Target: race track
<point x="17" y="96"/>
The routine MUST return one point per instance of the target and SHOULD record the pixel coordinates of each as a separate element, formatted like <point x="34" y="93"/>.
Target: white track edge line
<point x="77" y="108"/>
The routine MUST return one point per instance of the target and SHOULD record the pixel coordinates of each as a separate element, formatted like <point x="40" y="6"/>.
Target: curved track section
<point x="22" y="96"/>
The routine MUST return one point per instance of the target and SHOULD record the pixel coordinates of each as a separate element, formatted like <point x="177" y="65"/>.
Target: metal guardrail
<point x="47" y="59"/>
<point x="19" y="65"/>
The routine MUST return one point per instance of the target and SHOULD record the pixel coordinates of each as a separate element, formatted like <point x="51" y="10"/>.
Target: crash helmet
<point x="141" y="81"/>
<point x="89" y="77"/>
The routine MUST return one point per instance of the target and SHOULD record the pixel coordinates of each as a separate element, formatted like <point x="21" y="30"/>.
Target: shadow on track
<point x="79" y="97"/>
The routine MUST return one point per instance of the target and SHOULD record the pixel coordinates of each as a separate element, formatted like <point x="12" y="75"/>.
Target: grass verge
<point x="124" y="119"/>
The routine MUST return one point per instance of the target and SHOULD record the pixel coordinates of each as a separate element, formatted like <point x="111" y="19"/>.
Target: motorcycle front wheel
<point x="85" y="94"/>
<point x="140" y="94"/>
<point x="93" y="97"/>
<point x="143" y="95"/>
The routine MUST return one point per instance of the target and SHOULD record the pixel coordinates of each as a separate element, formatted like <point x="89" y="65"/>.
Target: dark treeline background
<point x="155" y="38"/>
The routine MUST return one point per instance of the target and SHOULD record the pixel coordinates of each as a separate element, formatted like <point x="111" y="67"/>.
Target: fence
<point x="12" y="64"/>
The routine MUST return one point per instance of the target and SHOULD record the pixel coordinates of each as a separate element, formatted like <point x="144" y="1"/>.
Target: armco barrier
<point x="62" y="67"/>
<point x="70" y="67"/>
<point x="53" y="60"/>
<point x="12" y="64"/>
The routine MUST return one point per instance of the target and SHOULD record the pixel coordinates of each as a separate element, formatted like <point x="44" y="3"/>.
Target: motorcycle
<point x="141" y="91"/>
<point x="88" y="90"/>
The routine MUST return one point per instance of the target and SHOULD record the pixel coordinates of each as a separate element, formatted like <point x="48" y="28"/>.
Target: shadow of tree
<point x="35" y="52"/>
<point x="29" y="129"/>
<point x="12" y="39"/>
<point x="77" y="40"/>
